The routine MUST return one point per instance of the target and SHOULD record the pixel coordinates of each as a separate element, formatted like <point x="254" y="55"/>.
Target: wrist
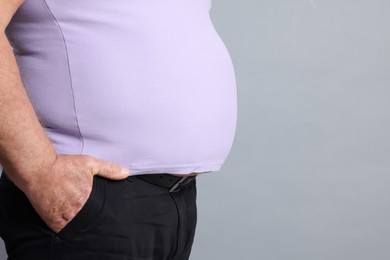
<point x="27" y="174"/>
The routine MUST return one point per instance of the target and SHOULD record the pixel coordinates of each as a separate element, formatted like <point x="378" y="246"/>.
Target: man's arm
<point x="24" y="147"/>
<point x="56" y="185"/>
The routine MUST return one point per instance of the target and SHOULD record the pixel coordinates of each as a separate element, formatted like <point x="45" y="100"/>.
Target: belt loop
<point x="177" y="184"/>
<point x="171" y="182"/>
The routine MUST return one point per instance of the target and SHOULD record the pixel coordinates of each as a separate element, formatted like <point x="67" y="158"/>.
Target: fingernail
<point x="125" y="171"/>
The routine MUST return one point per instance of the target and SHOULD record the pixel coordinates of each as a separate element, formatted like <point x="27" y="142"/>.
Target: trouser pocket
<point x="84" y="219"/>
<point x="22" y="227"/>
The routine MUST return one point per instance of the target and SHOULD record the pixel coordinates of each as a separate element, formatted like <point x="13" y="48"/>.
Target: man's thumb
<point x="112" y="171"/>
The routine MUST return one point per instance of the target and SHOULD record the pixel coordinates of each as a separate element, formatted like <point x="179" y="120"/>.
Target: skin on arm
<point x="57" y="185"/>
<point x="24" y="148"/>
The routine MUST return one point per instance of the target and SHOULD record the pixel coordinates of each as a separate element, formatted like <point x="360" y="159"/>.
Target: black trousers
<point x="129" y="219"/>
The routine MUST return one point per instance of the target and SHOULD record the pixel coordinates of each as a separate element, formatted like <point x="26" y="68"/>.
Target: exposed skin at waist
<point x="190" y="174"/>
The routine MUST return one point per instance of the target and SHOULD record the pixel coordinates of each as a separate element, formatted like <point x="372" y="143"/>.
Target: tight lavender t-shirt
<point x="148" y="84"/>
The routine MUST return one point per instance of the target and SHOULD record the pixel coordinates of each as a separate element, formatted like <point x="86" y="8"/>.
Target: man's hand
<point x="59" y="192"/>
<point x="57" y="185"/>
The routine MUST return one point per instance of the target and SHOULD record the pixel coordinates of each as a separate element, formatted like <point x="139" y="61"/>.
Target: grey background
<point x="307" y="176"/>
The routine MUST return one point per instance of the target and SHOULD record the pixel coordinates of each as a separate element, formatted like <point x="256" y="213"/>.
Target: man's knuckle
<point x="89" y="161"/>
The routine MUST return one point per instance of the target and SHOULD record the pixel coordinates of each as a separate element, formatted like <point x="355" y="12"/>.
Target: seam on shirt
<point x="199" y="164"/>
<point x="70" y="75"/>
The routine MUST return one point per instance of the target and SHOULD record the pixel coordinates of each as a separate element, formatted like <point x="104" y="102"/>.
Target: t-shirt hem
<point x="176" y="169"/>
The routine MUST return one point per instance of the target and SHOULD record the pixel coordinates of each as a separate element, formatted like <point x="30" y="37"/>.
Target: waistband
<point x="171" y="182"/>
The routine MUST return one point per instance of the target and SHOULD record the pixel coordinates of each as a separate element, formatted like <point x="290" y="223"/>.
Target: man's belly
<point x="147" y="84"/>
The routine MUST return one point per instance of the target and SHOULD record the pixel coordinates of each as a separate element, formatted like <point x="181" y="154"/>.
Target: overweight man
<point x="109" y="112"/>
